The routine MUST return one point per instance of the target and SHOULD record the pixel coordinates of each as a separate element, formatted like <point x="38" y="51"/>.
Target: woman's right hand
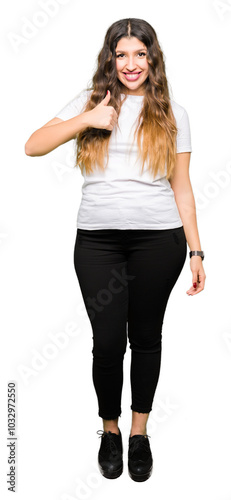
<point x="58" y="131"/>
<point x="102" y="116"/>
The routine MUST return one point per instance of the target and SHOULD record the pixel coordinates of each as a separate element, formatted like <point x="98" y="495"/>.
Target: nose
<point x="131" y="65"/>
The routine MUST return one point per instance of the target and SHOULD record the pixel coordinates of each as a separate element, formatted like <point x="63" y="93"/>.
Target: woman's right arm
<point x="58" y="131"/>
<point x="53" y="134"/>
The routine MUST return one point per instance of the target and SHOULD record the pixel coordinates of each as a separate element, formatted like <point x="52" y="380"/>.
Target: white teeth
<point x="132" y="76"/>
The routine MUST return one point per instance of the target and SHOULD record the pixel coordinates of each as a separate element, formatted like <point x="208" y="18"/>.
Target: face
<point x="132" y="65"/>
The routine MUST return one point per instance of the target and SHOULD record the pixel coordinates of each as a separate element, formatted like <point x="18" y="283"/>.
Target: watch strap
<point x="197" y="252"/>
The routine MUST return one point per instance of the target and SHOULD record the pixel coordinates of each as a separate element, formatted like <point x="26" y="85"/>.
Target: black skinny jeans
<point x="126" y="277"/>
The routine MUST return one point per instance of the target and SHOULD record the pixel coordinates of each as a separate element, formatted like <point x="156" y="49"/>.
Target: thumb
<point x="106" y="99"/>
<point x="194" y="279"/>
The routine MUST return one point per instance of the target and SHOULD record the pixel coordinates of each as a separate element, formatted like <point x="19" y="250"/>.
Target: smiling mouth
<point x="132" y="76"/>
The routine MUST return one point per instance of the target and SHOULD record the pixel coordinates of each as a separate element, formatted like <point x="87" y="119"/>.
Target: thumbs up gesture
<point x="103" y="116"/>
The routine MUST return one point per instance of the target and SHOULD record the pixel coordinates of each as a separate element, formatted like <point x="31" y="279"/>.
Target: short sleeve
<point x="183" y="134"/>
<point x="73" y="107"/>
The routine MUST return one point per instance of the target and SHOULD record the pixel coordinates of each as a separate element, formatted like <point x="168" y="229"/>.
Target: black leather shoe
<point x="140" y="460"/>
<point x="110" y="454"/>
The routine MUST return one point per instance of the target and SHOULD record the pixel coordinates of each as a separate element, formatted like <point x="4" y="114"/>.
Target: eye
<point x="141" y="54"/>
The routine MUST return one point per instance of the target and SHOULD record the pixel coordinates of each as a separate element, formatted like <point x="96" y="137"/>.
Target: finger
<point x="109" y="127"/>
<point x="202" y="280"/>
<point x="190" y="289"/>
<point x="197" y="291"/>
<point x="193" y="291"/>
<point x="112" y="124"/>
<point x="200" y="284"/>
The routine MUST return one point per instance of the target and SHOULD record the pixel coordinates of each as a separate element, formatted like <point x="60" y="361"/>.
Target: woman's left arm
<point x="181" y="186"/>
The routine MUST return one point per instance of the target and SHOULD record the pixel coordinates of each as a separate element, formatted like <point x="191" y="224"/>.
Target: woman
<point x="136" y="216"/>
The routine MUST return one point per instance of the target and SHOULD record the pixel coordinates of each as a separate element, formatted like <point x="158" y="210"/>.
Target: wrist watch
<point x="197" y="252"/>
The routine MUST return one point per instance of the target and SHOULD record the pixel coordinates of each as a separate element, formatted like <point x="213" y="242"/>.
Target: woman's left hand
<point x="198" y="275"/>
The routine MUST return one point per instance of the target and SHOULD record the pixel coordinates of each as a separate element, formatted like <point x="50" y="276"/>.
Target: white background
<point x="48" y="58"/>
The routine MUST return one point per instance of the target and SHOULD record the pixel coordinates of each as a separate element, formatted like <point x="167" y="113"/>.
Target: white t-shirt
<point x="120" y="197"/>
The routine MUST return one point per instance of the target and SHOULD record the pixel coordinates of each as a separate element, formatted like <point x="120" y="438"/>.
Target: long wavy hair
<point x="156" y="126"/>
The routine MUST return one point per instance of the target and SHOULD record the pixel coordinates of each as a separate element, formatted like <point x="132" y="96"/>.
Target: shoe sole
<point x="111" y="475"/>
<point x="140" y="477"/>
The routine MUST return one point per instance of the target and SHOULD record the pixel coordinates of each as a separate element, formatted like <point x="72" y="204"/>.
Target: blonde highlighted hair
<point x="156" y="130"/>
